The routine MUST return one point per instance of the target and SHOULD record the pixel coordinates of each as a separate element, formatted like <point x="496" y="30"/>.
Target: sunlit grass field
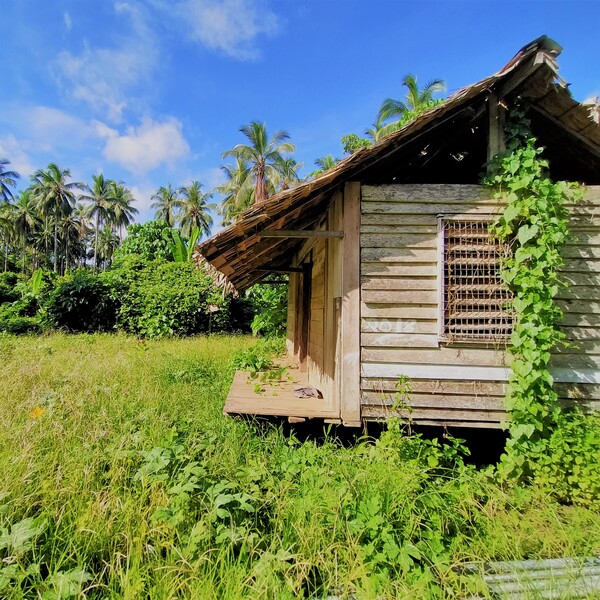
<point x="121" y="478"/>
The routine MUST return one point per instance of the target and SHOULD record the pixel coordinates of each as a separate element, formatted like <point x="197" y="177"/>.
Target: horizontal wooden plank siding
<point x="458" y="384"/>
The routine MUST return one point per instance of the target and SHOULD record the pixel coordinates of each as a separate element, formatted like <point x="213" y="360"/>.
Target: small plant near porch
<point x="258" y="361"/>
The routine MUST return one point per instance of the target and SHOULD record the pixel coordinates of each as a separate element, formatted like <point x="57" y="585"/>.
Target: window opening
<point x="476" y="302"/>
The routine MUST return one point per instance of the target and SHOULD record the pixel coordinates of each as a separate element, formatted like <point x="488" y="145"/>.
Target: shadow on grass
<point x="485" y="445"/>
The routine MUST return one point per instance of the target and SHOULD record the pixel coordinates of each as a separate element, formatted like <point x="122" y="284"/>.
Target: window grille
<point x="476" y="302"/>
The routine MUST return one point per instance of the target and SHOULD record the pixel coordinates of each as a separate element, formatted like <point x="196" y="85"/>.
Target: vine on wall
<point x="535" y="223"/>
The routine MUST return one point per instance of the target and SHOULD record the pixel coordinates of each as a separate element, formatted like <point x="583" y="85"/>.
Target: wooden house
<point x="393" y="274"/>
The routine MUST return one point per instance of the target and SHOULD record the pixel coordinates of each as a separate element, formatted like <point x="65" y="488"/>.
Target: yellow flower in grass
<point x="37" y="412"/>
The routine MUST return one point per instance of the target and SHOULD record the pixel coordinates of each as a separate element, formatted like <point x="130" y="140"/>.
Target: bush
<point x="82" y="302"/>
<point x="19" y="325"/>
<point x="268" y="304"/>
<point x="568" y="468"/>
<point x="8" y="292"/>
<point x="150" y="241"/>
<point x="19" y="310"/>
<point x="160" y="298"/>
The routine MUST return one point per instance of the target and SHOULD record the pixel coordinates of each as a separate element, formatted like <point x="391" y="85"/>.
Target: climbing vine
<point x="535" y="223"/>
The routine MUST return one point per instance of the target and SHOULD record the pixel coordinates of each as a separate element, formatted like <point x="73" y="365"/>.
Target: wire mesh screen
<point x="477" y="304"/>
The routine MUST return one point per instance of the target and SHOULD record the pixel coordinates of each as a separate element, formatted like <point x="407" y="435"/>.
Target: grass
<point x="121" y="478"/>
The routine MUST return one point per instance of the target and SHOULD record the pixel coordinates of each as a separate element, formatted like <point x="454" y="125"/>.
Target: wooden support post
<point x="496" y="144"/>
<point x="350" y="321"/>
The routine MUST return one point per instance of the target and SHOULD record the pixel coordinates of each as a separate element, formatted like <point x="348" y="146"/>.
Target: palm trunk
<point x="260" y="189"/>
<point x="56" y="242"/>
<point x="67" y="254"/>
<point x="96" y="243"/>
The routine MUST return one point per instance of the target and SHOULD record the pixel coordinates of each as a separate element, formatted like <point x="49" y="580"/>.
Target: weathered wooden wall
<point x="316" y="340"/>
<point x="291" y="315"/>
<point x="455" y="384"/>
<point x="325" y="255"/>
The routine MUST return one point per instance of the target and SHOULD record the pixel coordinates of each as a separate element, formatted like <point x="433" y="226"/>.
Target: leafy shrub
<point x="150" y="241"/>
<point x="568" y="468"/>
<point x="160" y="298"/>
<point x="269" y="306"/>
<point x="17" y="325"/>
<point x="82" y="302"/>
<point x="8" y="292"/>
<point x="20" y="315"/>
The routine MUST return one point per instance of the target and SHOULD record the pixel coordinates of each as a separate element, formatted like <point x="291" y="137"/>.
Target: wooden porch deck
<point x="276" y="398"/>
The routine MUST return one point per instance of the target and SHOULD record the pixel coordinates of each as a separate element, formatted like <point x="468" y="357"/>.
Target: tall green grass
<point x="121" y="478"/>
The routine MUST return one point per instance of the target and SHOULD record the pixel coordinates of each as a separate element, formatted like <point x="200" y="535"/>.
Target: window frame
<point x="443" y="337"/>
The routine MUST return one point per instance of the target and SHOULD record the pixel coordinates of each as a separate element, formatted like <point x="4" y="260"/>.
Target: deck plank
<point x="276" y="399"/>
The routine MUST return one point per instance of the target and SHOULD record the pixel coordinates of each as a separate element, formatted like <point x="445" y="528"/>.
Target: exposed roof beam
<point x="593" y="148"/>
<point x="299" y="233"/>
<point x="280" y="270"/>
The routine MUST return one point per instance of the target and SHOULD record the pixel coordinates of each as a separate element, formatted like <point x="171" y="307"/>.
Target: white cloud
<point x="68" y="21"/>
<point x="146" y="147"/>
<point x="229" y="26"/>
<point x="142" y="193"/>
<point x="14" y="151"/>
<point x="42" y="129"/>
<point x="212" y="177"/>
<point x="105" y="77"/>
<point x="49" y="125"/>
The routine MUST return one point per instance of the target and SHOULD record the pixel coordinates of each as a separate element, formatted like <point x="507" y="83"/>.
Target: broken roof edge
<point x="266" y="212"/>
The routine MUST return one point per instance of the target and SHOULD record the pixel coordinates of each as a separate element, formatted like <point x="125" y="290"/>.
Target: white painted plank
<point x="398" y="283"/>
<point x="400" y="297"/>
<point x="421" y="371"/>
<point x="371" y="325"/>
<point x="444" y="355"/>
<point x="397" y="240"/>
<point x="399" y="255"/>
<point x="437" y="386"/>
<point x="560" y="375"/>
<point x="399" y="340"/>
<point x="390" y="269"/>
<point x="399" y="311"/>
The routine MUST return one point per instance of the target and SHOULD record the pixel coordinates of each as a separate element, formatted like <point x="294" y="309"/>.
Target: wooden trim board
<point x="350" y="321"/>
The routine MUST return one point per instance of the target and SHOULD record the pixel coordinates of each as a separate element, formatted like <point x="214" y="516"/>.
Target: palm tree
<point x="71" y="238"/>
<point x="416" y="100"/>
<point x="166" y="201"/>
<point x="101" y="200"/>
<point x="81" y="214"/>
<point x="195" y="209"/>
<point x="287" y="175"/>
<point x="324" y="164"/>
<point x="264" y="155"/>
<point x="8" y="179"/>
<point x="26" y="219"/>
<point x="108" y="243"/>
<point x="237" y="191"/>
<point x="123" y="209"/>
<point x="55" y="196"/>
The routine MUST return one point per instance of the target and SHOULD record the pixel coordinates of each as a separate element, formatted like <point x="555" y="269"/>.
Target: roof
<point x="240" y="253"/>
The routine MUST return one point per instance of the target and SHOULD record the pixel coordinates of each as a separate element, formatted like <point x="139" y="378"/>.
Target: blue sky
<point x="153" y="91"/>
